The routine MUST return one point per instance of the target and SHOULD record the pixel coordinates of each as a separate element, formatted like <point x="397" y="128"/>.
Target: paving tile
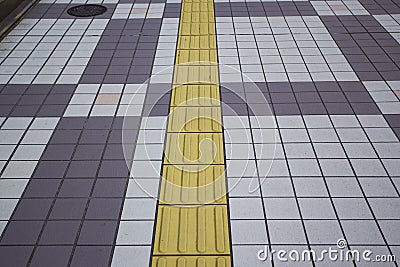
<point x="32" y="209"/>
<point x="68" y="209"/>
<point x="139" y="209"/>
<point x="246" y="208"/>
<point x="86" y="255"/>
<point x="281" y="208"/>
<point x="323" y="231"/>
<point x="135" y="233"/>
<point x="352" y="208"/>
<point x="362" y="232"/>
<point x="248" y="232"/>
<point x="124" y="256"/>
<point x="278" y="232"/>
<point x="22" y="233"/>
<point x="59" y="232"/>
<point x="51" y="255"/>
<point x="316" y="208"/>
<point x="15" y="256"/>
<point x="312" y="144"/>
<point x="90" y="229"/>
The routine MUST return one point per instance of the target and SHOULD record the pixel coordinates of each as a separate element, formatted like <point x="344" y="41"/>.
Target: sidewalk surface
<point x="199" y="132"/>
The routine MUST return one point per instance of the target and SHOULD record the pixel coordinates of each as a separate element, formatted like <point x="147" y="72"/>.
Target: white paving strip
<point x="391" y="23"/>
<point x="106" y="100"/>
<point x="280" y="49"/>
<point x="138" y="10"/>
<point x="162" y="71"/>
<point x="138" y="215"/>
<point x="22" y="142"/>
<point x="339" y="8"/>
<point x="385" y="95"/>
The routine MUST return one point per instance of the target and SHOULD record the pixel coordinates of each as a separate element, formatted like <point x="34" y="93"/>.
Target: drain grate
<point x="87" y="10"/>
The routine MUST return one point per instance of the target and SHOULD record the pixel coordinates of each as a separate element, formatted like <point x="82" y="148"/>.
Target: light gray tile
<point x="248" y="232"/>
<point x="323" y="231"/>
<point x="246" y="208"/>
<point x="281" y="208"/>
<point x="316" y="208"/>
<point x="125" y="256"/>
<point x="310" y="187"/>
<point x="139" y="209"/>
<point x="279" y="230"/>
<point x="277" y="187"/>
<point x="377" y="187"/>
<point x="304" y="167"/>
<point x="246" y="255"/>
<point x="12" y="188"/>
<point x="385" y="208"/>
<point x="135" y="233"/>
<point x="359" y="232"/>
<point x="352" y="208"/>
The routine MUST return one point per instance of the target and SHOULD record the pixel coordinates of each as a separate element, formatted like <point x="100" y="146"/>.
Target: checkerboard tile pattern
<point x="322" y="165"/>
<point x="311" y="127"/>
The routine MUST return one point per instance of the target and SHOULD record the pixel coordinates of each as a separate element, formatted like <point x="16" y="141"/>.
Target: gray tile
<point x="278" y="230"/>
<point x="323" y="231"/>
<point x="281" y="208"/>
<point x="352" y="208"/>
<point x="378" y="187"/>
<point x="248" y="232"/>
<point x="385" y="208"/>
<point x="359" y="232"/>
<point x="310" y="187"/>
<point x="124" y="256"/>
<point x="246" y="208"/>
<point x="139" y="208"/>
<point x="316" y="208"/>
<point x="135" y="233"/>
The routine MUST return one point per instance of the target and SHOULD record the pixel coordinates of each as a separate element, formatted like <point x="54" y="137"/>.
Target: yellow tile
<point x="196" y="74"/>
<point x="194" y="148"/>
<point x="194" y="119"/>
<point x="193" y="184"/>
<point x="197" y="42"/>
<point x="196" y="55"/>
<point x="192" y="230"/>
<point x="196" y="28"/>
<point x="195" y="95"/>
<point x="191" y="261"/>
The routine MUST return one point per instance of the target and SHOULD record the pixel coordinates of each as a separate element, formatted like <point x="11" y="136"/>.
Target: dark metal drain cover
<point x="87" y="10"/>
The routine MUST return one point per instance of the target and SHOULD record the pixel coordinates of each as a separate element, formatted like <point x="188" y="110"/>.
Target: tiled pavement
<point x="311" y="118"/>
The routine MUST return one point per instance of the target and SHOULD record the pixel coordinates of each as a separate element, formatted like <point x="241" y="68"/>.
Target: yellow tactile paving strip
<point x="192" y="225"/>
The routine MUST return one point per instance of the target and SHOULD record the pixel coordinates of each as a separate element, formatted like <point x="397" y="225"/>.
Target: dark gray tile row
<point x="307" y="98"/>
<point x="262" y="9"/>
<point x="371" y="51"/>
<point x="380" y="7"/>
<point x="34" y="99"/>
<point x="125" y="52"/>
<point x="70" y="208"/>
